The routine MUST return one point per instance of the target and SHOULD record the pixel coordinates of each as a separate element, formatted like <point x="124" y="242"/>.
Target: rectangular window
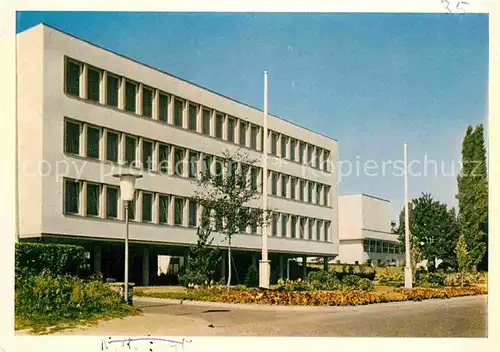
<point x="243" y="134"/>
<point x="72" y="137"/>
<point x="93" y="196"/>
<point x="193" y="164"/>
<point x="147" y="102"/>
<point x="71" y="197"/>
<point x="163" y="107"/>
<point x="147" y="207"/>
<point x="207" y="164"/>
<point x="179" y="208"/>
<point x="274" y="144"/>
<point x="130" y="96"/>
<point x="318" y="230"/>
<point x="219" y="122"/>
<point x="130" y="150"/>
<point x="326" y="230"/>
<point x="326" y="195"/>
<point x="275" y="225"/>
<point x="112" y="87"/>
<point x="292" y="187"/>
<point x="255" y="177"/>
<point x="310" y="186"/>
<point x="311" y="229"/>
<point x="302" y="148"/>
<point x="112" y="139"/>
<point x="178" y="111"/>
<point x="310" y="149"/>
<point x="316" y="157"/>
<point x="326" y="160"/>
<point x="147" y="154"/>
<point x="253" y="137"/>
<point x="231" y="126"/>
<point x="73" y="70"/>
<point x="366" y="246"/>
<point x="293" y="144"/>
<point x="93" y="84"/>
<point x="163" y="215"/>
<point x="206" y="121"/>
<point x="385" y="247"/>
<point x="192" y="213"/>
<point x="179" y="161"/>
<point x="274" y="183"/>
<point x="284" y="225"/>
<point x="318" y="193"/>
<point x="93" y="141"/>
<point x="132" y="207"/>
<point x="284" y="185"/>
<point x="302" y="227"/>
<point x="301" y="190"/>
<point x="218" y="169"/>
<point x="111" y="202"/>
<point x="163" y="158"/>
<point x="193" y="117"/>
<point x="379" y="246"/>
<point x="294" y="226"/>
<point x="284" y="144"/>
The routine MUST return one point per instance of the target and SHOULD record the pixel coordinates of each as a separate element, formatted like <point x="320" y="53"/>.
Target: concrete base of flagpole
<point x="408" y="277"/>
<point x="264" y="273"/>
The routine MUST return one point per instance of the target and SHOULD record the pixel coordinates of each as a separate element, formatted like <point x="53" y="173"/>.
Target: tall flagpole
<point x="264" y="264"/>
<point x="408" y="273"/>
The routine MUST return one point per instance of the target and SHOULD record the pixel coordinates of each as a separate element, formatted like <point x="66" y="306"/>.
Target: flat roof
<point x="171" y="75"/>
<point x="365" y="195"/>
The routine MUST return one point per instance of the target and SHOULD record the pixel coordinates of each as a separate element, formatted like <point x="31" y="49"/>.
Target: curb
<point x="256" y="306"/>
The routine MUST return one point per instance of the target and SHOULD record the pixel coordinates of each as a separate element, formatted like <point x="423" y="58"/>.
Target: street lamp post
<point x="408" y="273"/>
<point x="127" y="190"/>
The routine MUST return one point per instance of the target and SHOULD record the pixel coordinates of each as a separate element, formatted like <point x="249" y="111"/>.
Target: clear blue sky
<point x="371" y="81"/>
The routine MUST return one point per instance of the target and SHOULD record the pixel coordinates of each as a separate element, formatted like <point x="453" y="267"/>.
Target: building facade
<point x="365" y="231"/>
<point x="85" y="113"/>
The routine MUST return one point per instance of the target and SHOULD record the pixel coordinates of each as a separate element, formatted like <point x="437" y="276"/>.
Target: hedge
<point x="58" y="259"/>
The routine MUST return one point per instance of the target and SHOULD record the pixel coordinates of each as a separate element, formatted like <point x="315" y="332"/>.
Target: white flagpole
<point x="408" y="273"/>
<point x="264" y="263"/>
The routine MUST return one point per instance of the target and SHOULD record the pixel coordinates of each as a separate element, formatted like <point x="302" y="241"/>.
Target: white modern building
<point x="365" y="231"/>
<point x="86" y="113"/>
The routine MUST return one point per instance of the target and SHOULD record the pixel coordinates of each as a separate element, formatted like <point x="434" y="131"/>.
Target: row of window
<point x="97" y="85"/>
<point x="103" y="201"/>
<point x="294" y="226"/>
<point x="378" y="246"/>
<point x="109" y="145"/>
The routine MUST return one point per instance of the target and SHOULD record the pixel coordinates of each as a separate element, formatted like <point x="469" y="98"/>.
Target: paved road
<point x="457" y="317"/>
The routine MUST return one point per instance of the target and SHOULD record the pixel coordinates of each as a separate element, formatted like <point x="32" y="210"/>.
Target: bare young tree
<point x="225" y="195"/>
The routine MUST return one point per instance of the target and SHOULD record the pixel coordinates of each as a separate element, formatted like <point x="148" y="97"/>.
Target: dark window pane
<point x="164" y="202"/>
<point x="193" y="164"/>
<point x="303" y="227"/>
<point x="193" y="118"/>
<point x="218" y="168"/>
<point x="147" y="154"/>
<point x="93" y="193"/>
<point x="112" y="146"/>
<point x="292" y="188"/>
<point x="147" y="102"/>
<point x="255" y="176"/>
<point x="130" y="148"/>
<point x="326" y="230"/>
<point x="93" y="84"/>
<point x="147" y="207"/>
<point x="73" y="78"/>
<point x="318" y="231"/>
<point x="283" y="146"/>
<point x="219" y="121"/>
<point x="301" y="190"/>
<point x="309" y="192"/>
<point x="274" y="184"/>
<point x="284" y="185"/>
<point x="207" y="164"/>
<point x="253" y="139"/>
<point x="163" y="108"/>
<point x="243" y="134"/>
<point x="301" y="153"/>
<point x="72" y="138"/>
<point x="231" y="125"/>
<point x="111" y="202"/>
<point x="318" y="194"/>
<point x="179" y="162"/>
<point x="131" y="209"/>
<point x="178" y="109"/>
<point x="130" y="96"/>
<point x="179" y="206"/>
<point x="72" y="197"/>
<point x="192" y="213"/>
<point x="274" y="144"/>
<point x="275" y="225"/>
<point x="163" y="158"/>
<point x="294" y="226"/>
<point x="284" y="225"/>
<point x="326" y="194"/>
<point x="293" y="144"/>
<point x="93" y="139"/>
<point x="206" y="121"/>
<point x="112" y="91"/>
<point x="311" y="228"/>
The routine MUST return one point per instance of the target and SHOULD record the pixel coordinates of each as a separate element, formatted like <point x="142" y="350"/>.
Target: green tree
<point x="463" y="260"/>
<point x="473" y="196"/>
<point x="225" y="195"/>
<point x="433" y="230"/>
<point x="202" y="259"/>
<point x="252" y="277"/>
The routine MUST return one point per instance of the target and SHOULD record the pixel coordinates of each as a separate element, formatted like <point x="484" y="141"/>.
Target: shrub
<point x="252" y="278"/>
<point x="58" y="259"/>
<point x="323" y="280"/>
<point x="434" y="279"/>
<point x="365" y="284"/>
<point x="290" y="286"/>
<point x="351" y="281"/>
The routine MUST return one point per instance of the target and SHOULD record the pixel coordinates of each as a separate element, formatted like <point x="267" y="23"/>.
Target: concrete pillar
<point x="97" y="259"/>
<point x="304" y="267"/>
<point x="145" y="267"/>
<point x="281" y="266"/>
<point x="325" y="264"/>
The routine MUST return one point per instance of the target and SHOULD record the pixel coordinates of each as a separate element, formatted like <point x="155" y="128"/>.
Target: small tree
<point x="252" y="277"/>
<point x="463" y="259"/>
<point x="225" y="196"/>
<point x="202" y="259"/>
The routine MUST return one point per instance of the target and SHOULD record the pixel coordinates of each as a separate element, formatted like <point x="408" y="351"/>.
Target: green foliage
<point x="252" y="277"/>
<point x="463" y="258"/>
<point x="432" y="279"/>
<point x="58" y="259"/>
<point x="365" y="284"/>
<point x="202" y="259"/>
<point x="473" y="195"/>
<point x="351" y="281"/>
<point x="433" y="228"/>
<point x="323" y="280"/>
